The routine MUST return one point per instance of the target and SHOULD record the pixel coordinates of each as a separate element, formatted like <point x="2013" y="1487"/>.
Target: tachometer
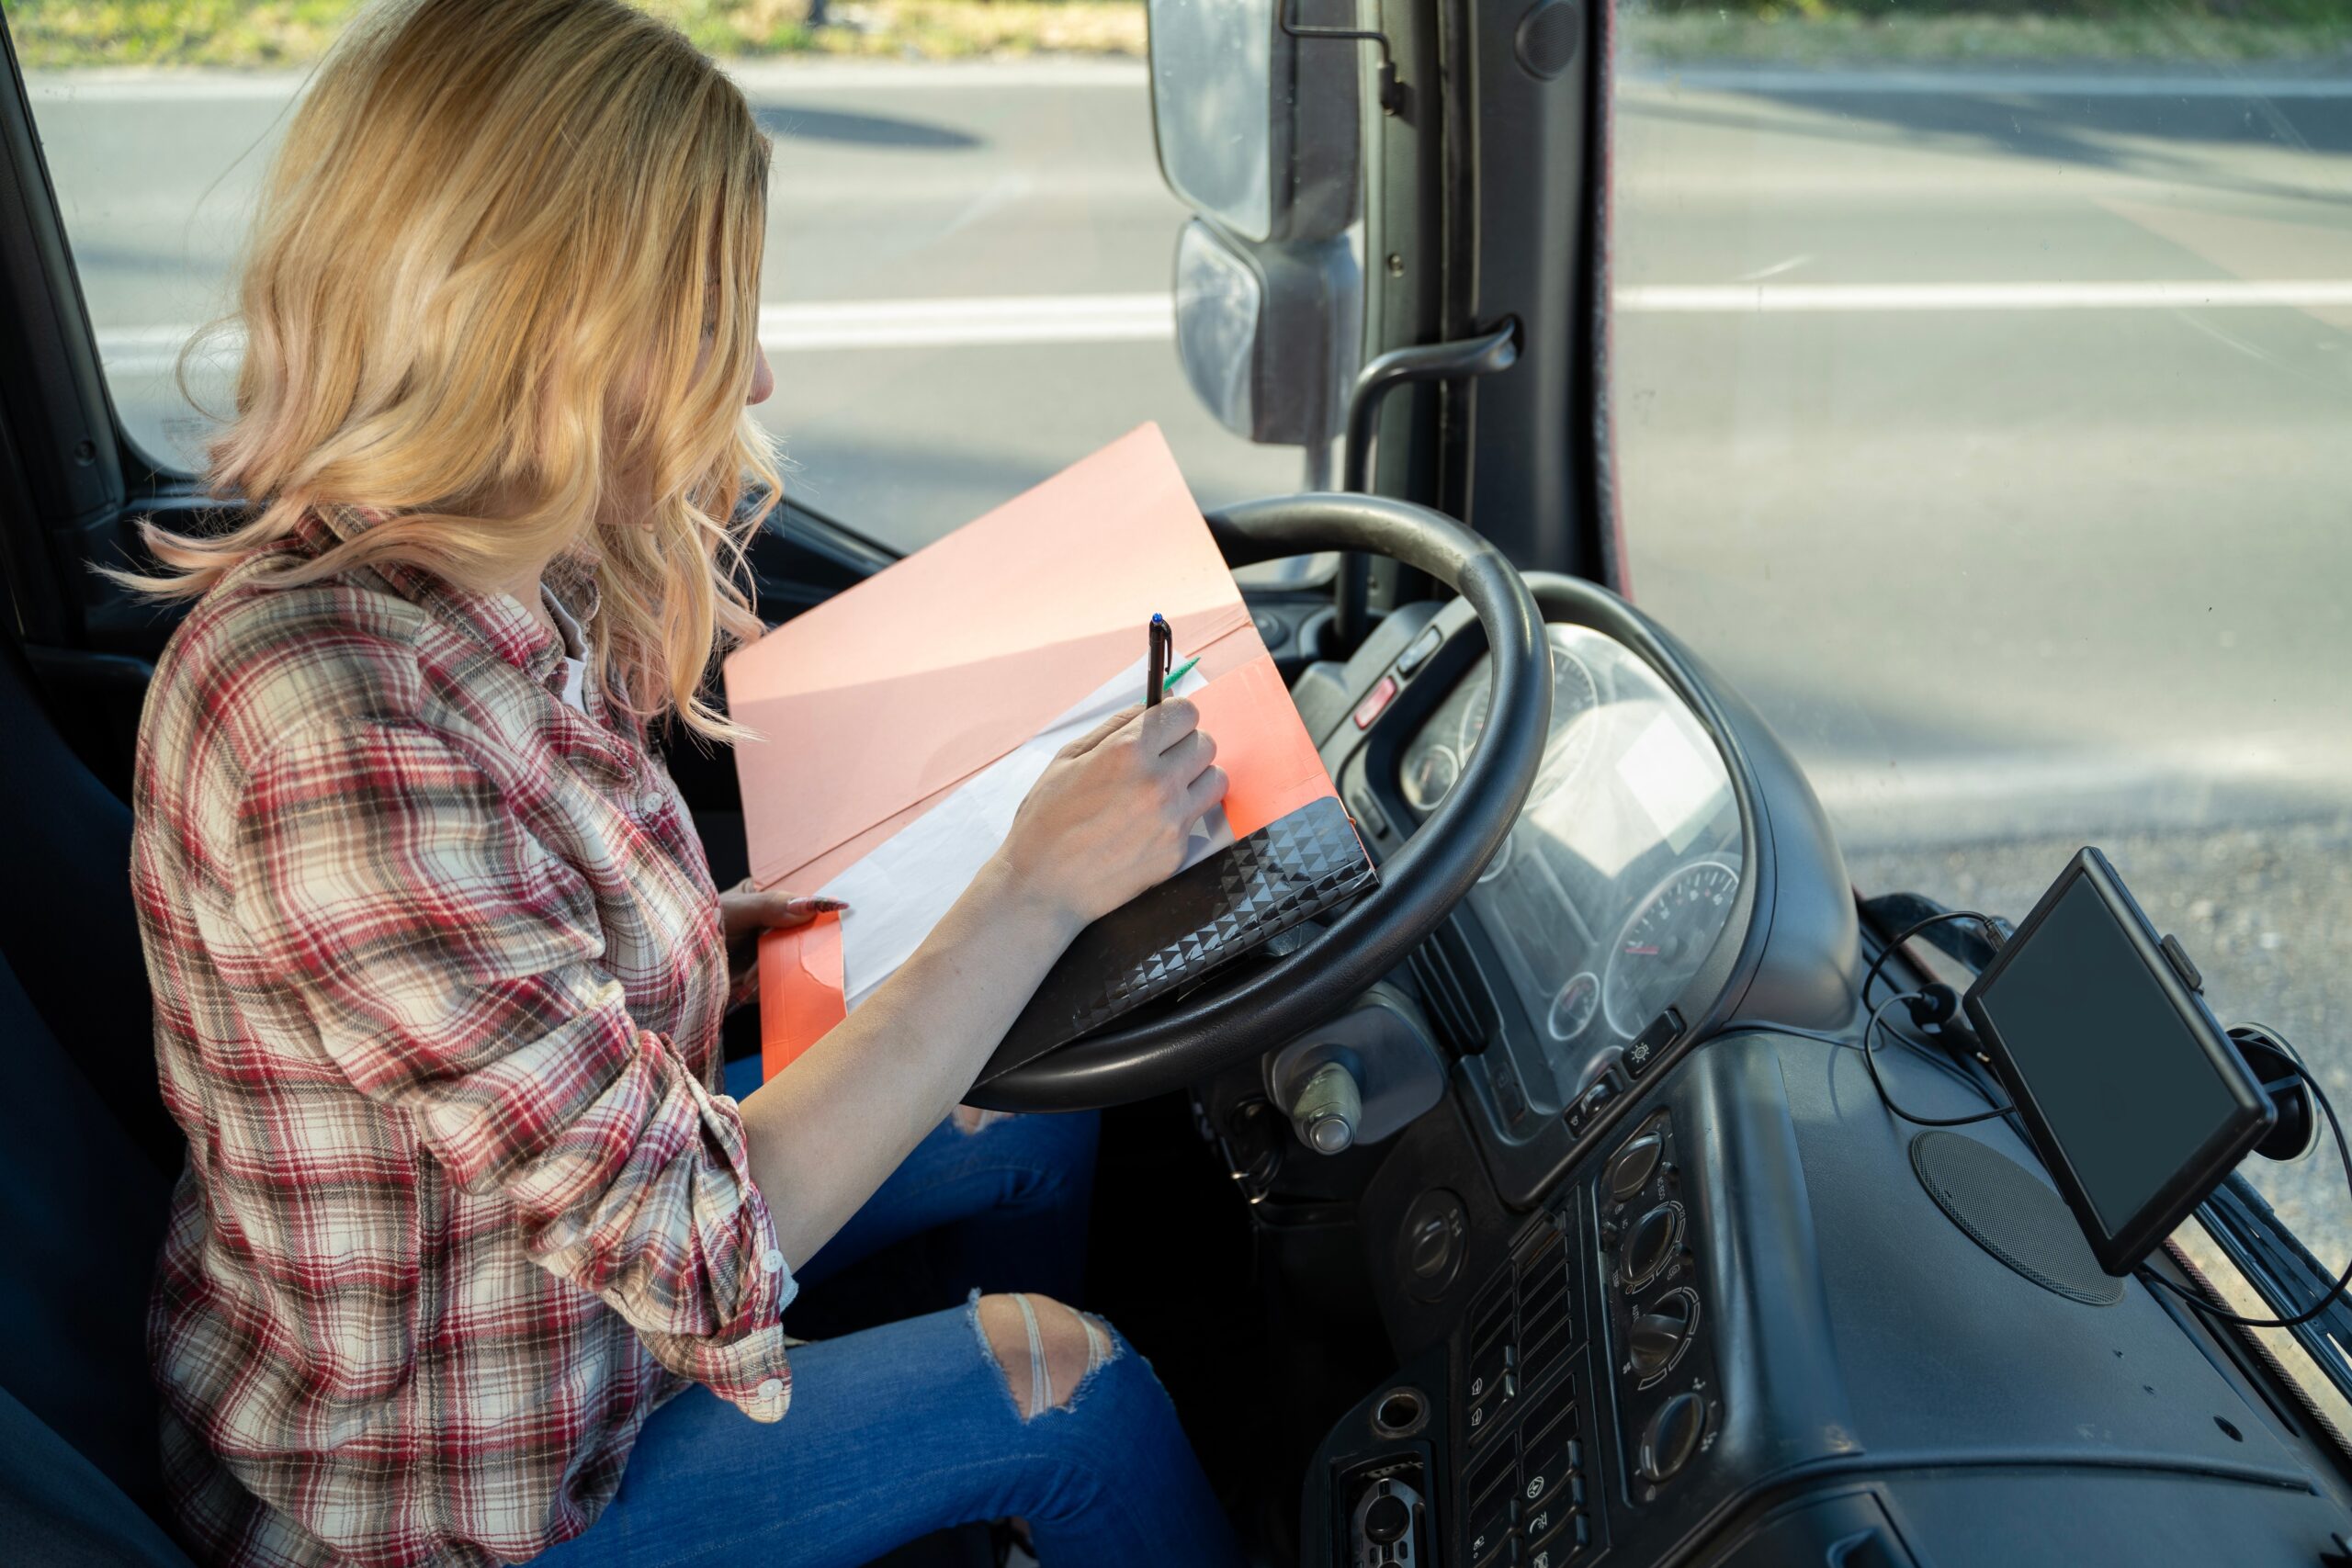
<point x="1665" y="941"/>
<point x="1429" y="775"/>
<point x="1573" y="1009"/>
<point x="1573" y="690"/>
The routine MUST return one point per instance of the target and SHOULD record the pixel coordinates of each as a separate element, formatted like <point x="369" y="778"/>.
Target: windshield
<point x="1983" y="410"/>
<point x="969" y="246"/>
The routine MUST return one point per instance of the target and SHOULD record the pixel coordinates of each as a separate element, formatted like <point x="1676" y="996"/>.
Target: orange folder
<point x="876" y="703"/>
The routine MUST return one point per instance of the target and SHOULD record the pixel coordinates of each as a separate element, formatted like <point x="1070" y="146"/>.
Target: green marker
<point x="1179" y="673"/>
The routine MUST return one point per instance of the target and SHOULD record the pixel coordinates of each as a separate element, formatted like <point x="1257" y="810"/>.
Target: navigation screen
<point x="2125" y="1084"/>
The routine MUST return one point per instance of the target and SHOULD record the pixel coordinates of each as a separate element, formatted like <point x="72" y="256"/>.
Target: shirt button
<point x="772" y="1389"/>
<point x="773" y="1262"/>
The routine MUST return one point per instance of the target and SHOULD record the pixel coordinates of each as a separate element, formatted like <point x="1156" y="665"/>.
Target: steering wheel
<point x="1251" y="1009"/>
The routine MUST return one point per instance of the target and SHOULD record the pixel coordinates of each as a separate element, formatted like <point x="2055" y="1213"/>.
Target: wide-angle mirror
<point x="1256" y="124"/>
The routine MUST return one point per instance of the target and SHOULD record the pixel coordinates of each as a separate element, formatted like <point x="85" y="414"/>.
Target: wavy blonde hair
<point x="503" y="293"/>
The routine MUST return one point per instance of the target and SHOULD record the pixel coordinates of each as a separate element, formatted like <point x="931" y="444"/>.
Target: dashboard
<point x="1661" y="1279"/>
<point x="1624" y="865"/>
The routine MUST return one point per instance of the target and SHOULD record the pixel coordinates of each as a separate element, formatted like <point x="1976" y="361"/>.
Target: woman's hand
<point x="1109" y="817"/>
<point x="744" y="912"/>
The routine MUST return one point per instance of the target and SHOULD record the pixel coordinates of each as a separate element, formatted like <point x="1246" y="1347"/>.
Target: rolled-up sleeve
<point x="447" y="963"/>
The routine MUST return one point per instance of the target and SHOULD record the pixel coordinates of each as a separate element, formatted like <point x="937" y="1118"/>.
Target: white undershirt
<point x="574" y="662"/>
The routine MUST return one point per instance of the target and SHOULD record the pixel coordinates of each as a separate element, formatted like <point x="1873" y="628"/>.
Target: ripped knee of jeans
<point x="1044" y="1351"/>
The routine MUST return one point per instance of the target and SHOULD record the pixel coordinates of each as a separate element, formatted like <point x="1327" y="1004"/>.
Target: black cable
<point x="1943" y="1064"/>
<point x="1870" y="1060"/>
<point x="1992" y="936"/>
<point x="2148" y="1276"/>
<point x="2344" y="1154"/>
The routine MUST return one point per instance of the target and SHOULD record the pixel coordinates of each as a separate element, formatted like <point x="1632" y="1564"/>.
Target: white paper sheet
<point x="905" y="887"/>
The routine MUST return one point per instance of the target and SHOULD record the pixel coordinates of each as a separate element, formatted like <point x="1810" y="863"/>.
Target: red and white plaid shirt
<point x="438" y="977"/>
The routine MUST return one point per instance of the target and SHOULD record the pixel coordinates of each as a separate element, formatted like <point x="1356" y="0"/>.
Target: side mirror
<point x="1269" y="335"/>
<point x="1256" y="125"/>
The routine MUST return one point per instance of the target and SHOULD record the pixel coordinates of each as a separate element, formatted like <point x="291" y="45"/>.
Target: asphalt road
<point x="1992" y="434"/>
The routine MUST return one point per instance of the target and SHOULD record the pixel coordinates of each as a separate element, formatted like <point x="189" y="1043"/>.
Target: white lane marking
<point x="1879" y="804"/>
<point x="954" y="323"/>
<point x="186" y="84"/>
<point x="847" y="324"/>
<point x="1768" y="298"/>
<point x="114" y="84"/>
<point x="2026" y="83"/>
<point x="1148" y="318"/>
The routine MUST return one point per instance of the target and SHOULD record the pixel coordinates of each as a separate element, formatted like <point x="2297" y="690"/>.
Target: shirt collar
<point x="496" y="621"/>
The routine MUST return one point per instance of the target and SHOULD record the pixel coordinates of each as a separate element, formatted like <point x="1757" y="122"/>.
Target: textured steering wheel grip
<point x="1418" y="885"/>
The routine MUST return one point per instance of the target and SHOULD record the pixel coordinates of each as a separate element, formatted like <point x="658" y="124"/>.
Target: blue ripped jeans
<point x="898" y="1431"/>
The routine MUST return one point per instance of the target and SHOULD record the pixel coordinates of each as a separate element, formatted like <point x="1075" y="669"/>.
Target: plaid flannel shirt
<point x="438" y="977"/>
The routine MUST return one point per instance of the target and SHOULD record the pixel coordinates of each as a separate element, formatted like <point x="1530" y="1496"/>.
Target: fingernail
<point x="829" y="905"/>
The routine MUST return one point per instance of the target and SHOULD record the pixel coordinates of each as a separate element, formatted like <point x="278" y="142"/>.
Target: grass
<point x="56" y="34"/>
<point x="1990" y="36"/>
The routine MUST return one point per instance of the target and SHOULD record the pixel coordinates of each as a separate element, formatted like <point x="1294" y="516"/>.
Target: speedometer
<point x="1665" y="941"/>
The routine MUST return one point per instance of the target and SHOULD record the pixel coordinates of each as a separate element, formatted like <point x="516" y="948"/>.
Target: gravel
<point x="2264" y="911"/>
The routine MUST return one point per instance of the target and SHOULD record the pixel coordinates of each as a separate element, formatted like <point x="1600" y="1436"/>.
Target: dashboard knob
<point x="1386" y="1520"/>
<point x="1671" y="1438"/>
<point x="1327" y="1108"/>
<point x="1649" y="1243"/>
<point x="1656" y="1336"/>
<point x="1629" y="1169"/>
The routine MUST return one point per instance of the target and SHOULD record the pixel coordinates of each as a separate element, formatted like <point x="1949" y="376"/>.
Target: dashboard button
<point x="1491" y="1367"/>
<point x="1544" y="1523"/>
<point x="1539" y="1297"/>
<point x="1552" y="1554"/>
<point x="1655" y="1339"/>
<point x="1630" y="1168"/>
<point x="1649" y="1245"/>
<point x="1493" y="1471"/>
<point x="1492" y="1315"/>
<point x="1671" y="1438"/>
<point x="1376" y="702"/>
<point x="1418" y="652"/>
<point x="1543" y="1478"/>
<point x="1589" y="1104"/>
<point x="1386" y="1520"/>
<point x="1485" y="1414"/>
<point x="1652" y="1042"/>
<point x="1491" y="1526"/>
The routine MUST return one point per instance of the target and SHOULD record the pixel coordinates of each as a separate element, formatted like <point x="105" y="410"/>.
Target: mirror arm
<point x="1462" y="358"/>
<point x="1391" y="91"/>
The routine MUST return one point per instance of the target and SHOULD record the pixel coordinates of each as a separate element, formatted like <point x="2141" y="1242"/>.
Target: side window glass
<point x="1982" y="382"/>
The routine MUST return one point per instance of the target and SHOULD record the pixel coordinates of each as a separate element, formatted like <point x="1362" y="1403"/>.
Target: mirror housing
<point x="1257" y="128"/>
<point x="1269" y="335"/>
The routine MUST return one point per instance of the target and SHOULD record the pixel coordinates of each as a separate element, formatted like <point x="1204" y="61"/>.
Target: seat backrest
<point x="58" y="1510"/>
<point x="66" y="923"/>
<point x="89" y="1154"/>
<point x="81" y="1214"/>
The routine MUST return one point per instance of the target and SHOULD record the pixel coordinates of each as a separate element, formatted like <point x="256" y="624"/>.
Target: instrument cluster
<point x="1623" y="866"/>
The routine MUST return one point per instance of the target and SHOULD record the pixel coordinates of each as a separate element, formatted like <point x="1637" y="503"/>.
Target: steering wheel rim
<point x="1418" y="885"/>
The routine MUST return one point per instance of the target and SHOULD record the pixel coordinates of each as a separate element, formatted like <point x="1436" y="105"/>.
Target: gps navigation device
<point x="2138" y="1102"/>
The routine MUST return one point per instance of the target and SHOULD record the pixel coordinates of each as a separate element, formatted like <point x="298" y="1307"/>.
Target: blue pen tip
<point x="1158" y="619"/>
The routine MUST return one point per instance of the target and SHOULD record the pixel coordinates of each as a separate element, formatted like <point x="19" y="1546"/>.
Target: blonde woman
<point x="472" y="1258"/>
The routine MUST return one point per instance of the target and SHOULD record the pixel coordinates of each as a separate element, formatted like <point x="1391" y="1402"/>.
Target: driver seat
<point x="86" y="1168"/>
<point x="86" y="1172"/>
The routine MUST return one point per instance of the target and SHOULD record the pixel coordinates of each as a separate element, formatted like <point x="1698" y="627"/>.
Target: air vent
<point x="1452" y="994"/>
